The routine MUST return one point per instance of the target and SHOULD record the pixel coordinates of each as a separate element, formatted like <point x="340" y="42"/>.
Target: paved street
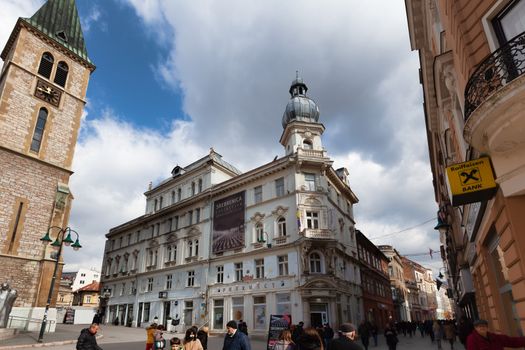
<point x="117" y="338"/>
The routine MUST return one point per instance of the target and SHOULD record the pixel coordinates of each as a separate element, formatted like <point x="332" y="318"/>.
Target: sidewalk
<point x="68" y="334"/>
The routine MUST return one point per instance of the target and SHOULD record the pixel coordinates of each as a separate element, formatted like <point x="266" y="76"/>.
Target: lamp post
<point x="57" y="244"/>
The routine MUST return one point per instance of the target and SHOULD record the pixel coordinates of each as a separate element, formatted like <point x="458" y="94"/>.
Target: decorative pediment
<point x="280" y="211"/>
<point x="172" y="237"/>
<point x="312" y="201"/>
<point x="126" y="255"/>
<point x="319" y="283"/>
<point x="257" y="217"/>
<point x="194" y="231"/>
<point x="153" y="243"/>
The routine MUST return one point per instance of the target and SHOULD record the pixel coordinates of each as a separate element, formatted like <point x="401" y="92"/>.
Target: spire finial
<point x="297" y="74"/>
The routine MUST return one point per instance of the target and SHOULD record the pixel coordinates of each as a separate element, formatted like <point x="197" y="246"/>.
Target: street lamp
<point x="267" y="241"/>
<point x="57" y="244"/>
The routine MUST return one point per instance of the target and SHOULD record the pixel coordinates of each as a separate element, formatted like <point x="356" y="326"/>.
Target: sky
<point x="175" y="78"/>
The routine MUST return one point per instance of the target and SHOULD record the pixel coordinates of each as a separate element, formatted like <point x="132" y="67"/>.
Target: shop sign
<point x="278" y="323"/>
<point x="471" y="181"/>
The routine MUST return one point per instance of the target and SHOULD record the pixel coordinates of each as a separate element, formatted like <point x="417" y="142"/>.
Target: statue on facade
<point x="7" y="299"/>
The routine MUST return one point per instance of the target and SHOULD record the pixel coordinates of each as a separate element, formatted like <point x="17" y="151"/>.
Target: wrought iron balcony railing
<point x="497" y="70"/>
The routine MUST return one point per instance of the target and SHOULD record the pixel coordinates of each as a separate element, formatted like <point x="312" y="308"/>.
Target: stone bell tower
<point x="43" y="85"/>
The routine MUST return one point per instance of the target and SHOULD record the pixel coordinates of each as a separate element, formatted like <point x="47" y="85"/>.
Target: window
<point x="169" y="223"/>
<point x="160" y="202"/>
<point x="196" y="244"/>
<point x="281" y="227"/>
<point x="218" y="314"/>
<point x="190" y="217"/>
<point x="279" y="187"/>
<point x="129" y="238"/>
<point x="122" y="289"/>
<point x="155" y="205"/>
<point x="172" y="197"/>
<point x="190" y="248"/>
<point x="193" y="188"/>
<point x="312" y="220"/>
<point x="237" y="308"/>
<point x="169" y="279"/>
<point x="259" y="232"/>
<point x="179" y="194"/>
<point x="238" y="272"/>
<point x="46" y="65"/>
<point x="188" y="312"/>
<point x="157" y="229"/>
<point x="176" y="222"/>
<point x="197" y="215"/>
<point x="88" y="299"/>
<point x="259" y="312"/>
<point x="39" y="130"/>
<point x="191" y="278"/>
<point x="257" y="194"/>
<point x="150" y="284"/>
<point x="283" y="265"/>
<point x="307" y="144"/>
<point x="200" y="185"/>
<point x="220" y="274"/>
<point x="315" y="263"/>
<point x="146" y="312"/>
<point x="510" y="22"/>
<point x="309" y="181"/>
<point x="284" y="304"/>
<point x="259" y="268"/>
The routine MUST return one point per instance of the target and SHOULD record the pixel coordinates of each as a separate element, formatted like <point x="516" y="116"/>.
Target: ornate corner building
<point x="216" y="244"/>
<point x="43" y="85"/>
<point x="472" y="64"/>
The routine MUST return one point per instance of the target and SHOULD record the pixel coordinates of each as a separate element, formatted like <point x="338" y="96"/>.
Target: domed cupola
<point x="300" y="107"/>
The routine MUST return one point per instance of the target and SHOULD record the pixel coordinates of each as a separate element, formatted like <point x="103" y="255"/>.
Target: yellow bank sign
<point x="471" y="181"/>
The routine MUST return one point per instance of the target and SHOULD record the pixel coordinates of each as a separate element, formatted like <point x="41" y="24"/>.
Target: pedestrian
<point x="374" y="331"/>
<point x="450" y="333"/>
<point x="234" y="339"/>
<point x="481" y="338"/>
<point x="364" y="333"/>
<point x="346" y="340"/>
<point x="310" y="340"/>
<point x="87" y="339"/>
<point x="150" y="336"/>
<point x="175" y="344"/>
<point x="298" y="331"/>
<point x="285" y="341"/>
<point x="437" y="329"/>
<point x="243" y="327"/>
<point x="191" y="342"/>
<point x="391" y="337"/>
<point x="202" y="335"/>
<point x="159" y="341"/>
<point x="465" y="327"/>
<point x="328" y="334"/>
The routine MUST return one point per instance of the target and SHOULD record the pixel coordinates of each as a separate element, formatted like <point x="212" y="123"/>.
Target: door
<point x="318" y="315"/>
<point x="167" y="313"/>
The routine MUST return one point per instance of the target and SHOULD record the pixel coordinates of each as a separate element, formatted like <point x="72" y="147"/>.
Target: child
<point x="176" y="344"/>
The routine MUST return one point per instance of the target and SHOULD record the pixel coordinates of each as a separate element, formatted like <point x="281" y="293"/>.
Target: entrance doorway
<point x="318" y="315"/>
<point x="167" y="313"/>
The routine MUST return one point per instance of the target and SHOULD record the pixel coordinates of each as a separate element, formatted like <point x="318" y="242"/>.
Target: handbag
<point x="160" y="344"/>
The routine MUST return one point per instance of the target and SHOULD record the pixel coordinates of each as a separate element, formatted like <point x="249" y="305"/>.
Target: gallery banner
<point x="228" y="223"/>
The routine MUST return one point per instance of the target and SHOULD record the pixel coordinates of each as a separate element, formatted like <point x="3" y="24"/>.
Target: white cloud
<point x="10" y="11"/>
<point x="92" y="17"/>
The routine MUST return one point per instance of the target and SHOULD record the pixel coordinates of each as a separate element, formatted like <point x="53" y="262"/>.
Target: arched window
<point x="315" y="263"/>
<point x="39" y="130"/>
<point x="61" y="73"/>
<point x="259" y="232"/>
<point x="307" y="144"/>
<point x="46" y="65"/>
<point x="281" y="227"/>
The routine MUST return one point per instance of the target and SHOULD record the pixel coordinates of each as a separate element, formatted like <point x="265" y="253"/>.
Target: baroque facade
<point x="43" y="85"/>
<point x="471" y="55"/>
<point x="217" y="244"/>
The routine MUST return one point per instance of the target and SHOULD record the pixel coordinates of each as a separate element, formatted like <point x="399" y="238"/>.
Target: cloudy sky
<point x="175" y="78"/>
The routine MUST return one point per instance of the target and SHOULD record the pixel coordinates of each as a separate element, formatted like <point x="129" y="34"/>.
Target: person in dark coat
<point x="202" y="335"/>
<point x="391" y="337"/>
<point x="243" y="327"/>
<point x="347" y="334"/>
<point x="364" y="333"/>
<point x="87" y="339"/>
<point x="298" y="331"/>
<point x="310" y="340"/>
<point x="465" y="327"/>
<point x="234" y="339"/>
<point x="481" y="338"/>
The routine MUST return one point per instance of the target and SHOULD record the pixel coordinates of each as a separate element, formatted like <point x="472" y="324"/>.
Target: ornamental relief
<point x="194" y="231"/>
<point x="280" y="211"/>
<point x="153" y="243"/>
<point x="171" y="238"/>
<point x="257" y="217"/>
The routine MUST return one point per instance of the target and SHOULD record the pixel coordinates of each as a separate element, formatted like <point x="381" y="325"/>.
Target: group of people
<point x="194" y="339"/>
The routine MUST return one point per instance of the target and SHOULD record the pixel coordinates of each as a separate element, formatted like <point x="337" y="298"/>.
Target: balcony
<point x="311" y="153"/>
<point x="494" y="104"/>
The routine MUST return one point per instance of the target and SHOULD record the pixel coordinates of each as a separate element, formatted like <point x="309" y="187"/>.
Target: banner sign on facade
<point x="228" y="223"/>
<point x="471" y="181"/>
<point x="278" y="323"/>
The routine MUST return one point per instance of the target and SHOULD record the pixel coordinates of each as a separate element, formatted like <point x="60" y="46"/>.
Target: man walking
<point x="346" y="339"/>
<point x="234" y="339"/>
<point x="87" y="339"/>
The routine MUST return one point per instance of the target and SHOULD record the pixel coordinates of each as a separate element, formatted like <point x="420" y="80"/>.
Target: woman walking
<point x="191" y="342"/>
<point x="391" y="337"/>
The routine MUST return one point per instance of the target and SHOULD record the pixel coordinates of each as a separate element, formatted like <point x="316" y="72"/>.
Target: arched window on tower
<point x="61" y="73"/>
<point x="46" y="65"/>
<point x="307" y="144"/>
<point x="315" y="263"/>
<point x="39" y="130"/>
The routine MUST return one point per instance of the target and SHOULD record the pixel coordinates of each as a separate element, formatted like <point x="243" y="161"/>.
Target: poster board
<point x="278" y="323"/>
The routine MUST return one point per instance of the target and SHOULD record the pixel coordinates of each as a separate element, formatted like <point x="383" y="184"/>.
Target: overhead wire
<point x="405" y="229"/>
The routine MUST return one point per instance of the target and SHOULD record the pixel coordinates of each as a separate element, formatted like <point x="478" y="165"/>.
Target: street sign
<point x="471" y="181"/>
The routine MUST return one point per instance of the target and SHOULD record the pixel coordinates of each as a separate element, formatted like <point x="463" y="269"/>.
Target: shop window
<point x="259" y="312"/>
<point x="218" y="314"/>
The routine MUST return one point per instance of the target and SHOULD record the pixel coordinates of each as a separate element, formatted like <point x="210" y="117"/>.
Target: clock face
<point x="48" y="93"/>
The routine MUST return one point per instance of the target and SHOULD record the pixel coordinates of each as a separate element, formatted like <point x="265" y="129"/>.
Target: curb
<point x="43" y="345"/>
